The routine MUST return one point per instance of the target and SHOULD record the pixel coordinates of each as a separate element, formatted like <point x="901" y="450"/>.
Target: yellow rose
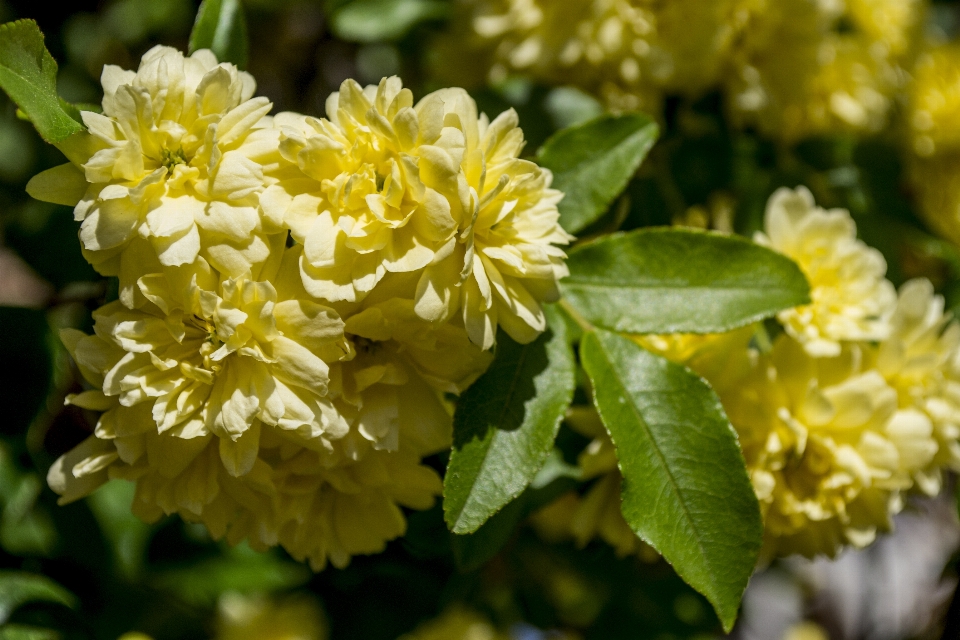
<point x="221" y="358"/>
<point x="386" y="187"/>
<point x="851" y="299"/>
<point x="176" y="161"/>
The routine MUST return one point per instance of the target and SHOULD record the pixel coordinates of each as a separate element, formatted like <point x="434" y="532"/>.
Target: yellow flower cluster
<point x="789" y="67"/>
<point x="850" y="298"/>
<point x="284" y="391"/>
<point x="853" y="406"/>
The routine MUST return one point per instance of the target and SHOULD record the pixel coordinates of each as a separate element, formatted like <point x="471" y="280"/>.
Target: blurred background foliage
<point x="92" y="570"/>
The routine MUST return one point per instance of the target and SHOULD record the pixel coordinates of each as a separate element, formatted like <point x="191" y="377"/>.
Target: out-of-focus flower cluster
<point x="791" y="68"/>
<point x="296" y="296"/>
<point x="850" y="405"/>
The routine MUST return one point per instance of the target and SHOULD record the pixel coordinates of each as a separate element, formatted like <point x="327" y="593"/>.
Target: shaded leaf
<point x="27" y="632"/>
<point x="505" y="425"/>
<point x="473" y="550"/>
<point x="128" y="534"/>
<point x="238" y="569"/>
<point x="19" y="588"/>
<point x="28" y="74"/>
<point x="685" y="484"/>
<point x="221" y="26"/>
<point x="593" y="162"/>
<point x="680" y="281"/>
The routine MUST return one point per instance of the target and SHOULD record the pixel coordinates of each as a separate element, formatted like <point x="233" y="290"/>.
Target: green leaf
<point x="593" y="162"/>
<point x="685" y="484"/>
<point x="378" y="20"/>
<point x="680" y="281"/>
<point x="237" y="569"/>
<point x="128" y="534"/>
<point x="28" y="73"/>
<point x="505" y="425"/>
<point x="473" y="550"/>
<point x="27" y="632"/>
<point x="19" y="588"/>
<point x="221" y="26"/>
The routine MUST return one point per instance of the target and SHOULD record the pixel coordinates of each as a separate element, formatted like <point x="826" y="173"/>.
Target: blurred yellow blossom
<point x="456" y="623"/>
<point x="934" y="106"/>
<point x="791" y="68"/>
<point x="813" y="67"/>
<point x="851" y="299"/>
<point x="933" y="163"/>
<point x="624" y="51"/>
<point x="806" y="631"/>
<point x="260" y="617"/>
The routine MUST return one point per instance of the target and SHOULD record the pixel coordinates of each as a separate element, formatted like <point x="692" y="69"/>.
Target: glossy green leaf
<point x="28" y="74"/>
<point x="221" y="26"/>
<point x="19" y="588"/>
<point x="473" y="550"/>
<point x="378" y="20"/>
<point x="593" y="162"/>
<point x="680" y="281"/>
<point x="505" y="426"/>
<point x="685" y="485"/>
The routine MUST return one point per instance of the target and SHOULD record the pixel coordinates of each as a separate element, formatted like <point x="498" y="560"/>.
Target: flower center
<point x="211" y="342"/>
<point x="170" y="159"/>
<point x="365" y="346"/>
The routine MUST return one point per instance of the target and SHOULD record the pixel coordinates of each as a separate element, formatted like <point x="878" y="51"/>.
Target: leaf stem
<point x="573" y="313"/>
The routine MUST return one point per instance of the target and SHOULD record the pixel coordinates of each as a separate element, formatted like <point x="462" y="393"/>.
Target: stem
<point x="573" y="313"/>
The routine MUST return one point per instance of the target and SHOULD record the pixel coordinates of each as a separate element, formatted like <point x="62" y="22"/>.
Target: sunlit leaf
<point x="28" y="74"/>
<point x="593" y="162"/>
<point x="685" y="484"/>
<point x="680" y="281"/>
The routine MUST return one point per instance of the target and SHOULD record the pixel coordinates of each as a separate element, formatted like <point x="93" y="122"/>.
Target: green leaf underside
<point x="593" y="162"/>
<point x="28" y="74"/>
<point x="18" y="588"/>
<point x="473" y="550"/>
<point x="685" y="488"/>
<point x="505" y="425"/>
<point x="221" y="26"/>
<point x="668" y="280"/>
